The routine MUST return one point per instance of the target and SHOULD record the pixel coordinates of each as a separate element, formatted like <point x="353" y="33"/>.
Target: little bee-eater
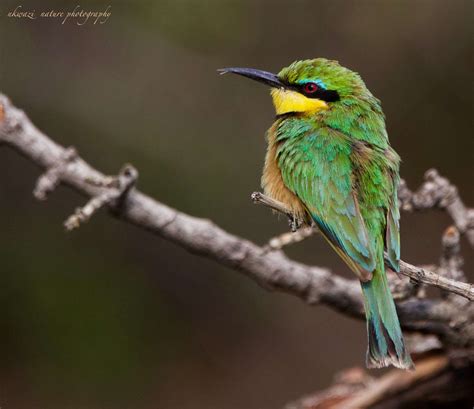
<point x="329" y="161"/>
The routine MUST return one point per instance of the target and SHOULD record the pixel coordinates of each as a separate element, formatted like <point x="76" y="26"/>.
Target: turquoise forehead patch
<point x="319" y="82"/>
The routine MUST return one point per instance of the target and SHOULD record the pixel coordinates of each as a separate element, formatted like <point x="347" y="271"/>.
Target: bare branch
<point x="354" y="389"/>
<point x="273" y="270"/>
<point x="346" y="384"/>
<point x="260" y="198"/>
<point x="427" y="277"/>
<point x="439" y="381"/>
<point x="415" y="273"/>
<point x="285" y="239"/>
<point x="117" y="189"/>
<point x="438" y="192"/>
<point x="51" y="178"/>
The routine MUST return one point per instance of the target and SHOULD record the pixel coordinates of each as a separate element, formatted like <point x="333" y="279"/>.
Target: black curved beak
<point x="264" y="77"/>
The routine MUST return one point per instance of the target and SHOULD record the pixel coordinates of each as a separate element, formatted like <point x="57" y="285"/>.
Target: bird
<point x="330" y="162"/>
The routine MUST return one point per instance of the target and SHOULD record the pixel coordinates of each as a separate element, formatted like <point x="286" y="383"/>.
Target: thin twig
<point x="288" y="238"/>
<point x="260" y="198"/>
<point x="48" y="181"/>
<point x="114" y="194"/>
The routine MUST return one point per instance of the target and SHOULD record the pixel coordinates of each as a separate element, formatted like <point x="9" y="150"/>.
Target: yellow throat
<point x="291" y="101"/>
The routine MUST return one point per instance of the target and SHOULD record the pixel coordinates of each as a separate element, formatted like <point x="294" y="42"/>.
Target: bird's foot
<point x="294" y="223"/>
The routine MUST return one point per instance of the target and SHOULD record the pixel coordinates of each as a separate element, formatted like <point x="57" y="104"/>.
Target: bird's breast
<point x="272" y="181"/>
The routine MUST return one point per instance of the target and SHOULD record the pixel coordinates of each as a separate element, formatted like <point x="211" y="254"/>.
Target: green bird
<point x="329" y="160"/>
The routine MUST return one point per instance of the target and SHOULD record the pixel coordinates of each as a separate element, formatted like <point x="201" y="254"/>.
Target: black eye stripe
<point x="326" y="95"/>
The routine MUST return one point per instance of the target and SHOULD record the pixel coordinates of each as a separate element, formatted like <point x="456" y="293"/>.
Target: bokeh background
<point x="110" y="316"/>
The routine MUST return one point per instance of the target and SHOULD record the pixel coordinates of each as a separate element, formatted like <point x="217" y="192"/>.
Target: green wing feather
<point x="392" y="232"/>
<point x="317" y="167"/>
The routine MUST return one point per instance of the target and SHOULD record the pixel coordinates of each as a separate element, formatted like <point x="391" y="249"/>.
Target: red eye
<point x="310" y="88"/>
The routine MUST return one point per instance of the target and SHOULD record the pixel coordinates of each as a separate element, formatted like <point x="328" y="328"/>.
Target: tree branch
<point x="415" y="273"/>
<point x="438" y="192"/>
<point x="437" y="382"/>
<point x="273" y="270"/>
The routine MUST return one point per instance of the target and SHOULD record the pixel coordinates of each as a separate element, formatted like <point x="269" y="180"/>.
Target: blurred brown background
<point x="110" y="316"/>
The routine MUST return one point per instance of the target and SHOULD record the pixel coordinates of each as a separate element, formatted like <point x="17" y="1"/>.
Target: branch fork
<point x="115" y="191"/>
<point x="49" y="180"/>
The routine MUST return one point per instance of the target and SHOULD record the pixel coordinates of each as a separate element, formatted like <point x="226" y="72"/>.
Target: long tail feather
<point x="386" y="344"/>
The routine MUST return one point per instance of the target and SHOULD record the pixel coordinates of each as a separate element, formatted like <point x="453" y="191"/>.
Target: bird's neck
<point x="358" y="118"/>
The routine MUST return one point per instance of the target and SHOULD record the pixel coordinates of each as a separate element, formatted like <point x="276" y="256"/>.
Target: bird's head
<point x="307" y="86"/>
